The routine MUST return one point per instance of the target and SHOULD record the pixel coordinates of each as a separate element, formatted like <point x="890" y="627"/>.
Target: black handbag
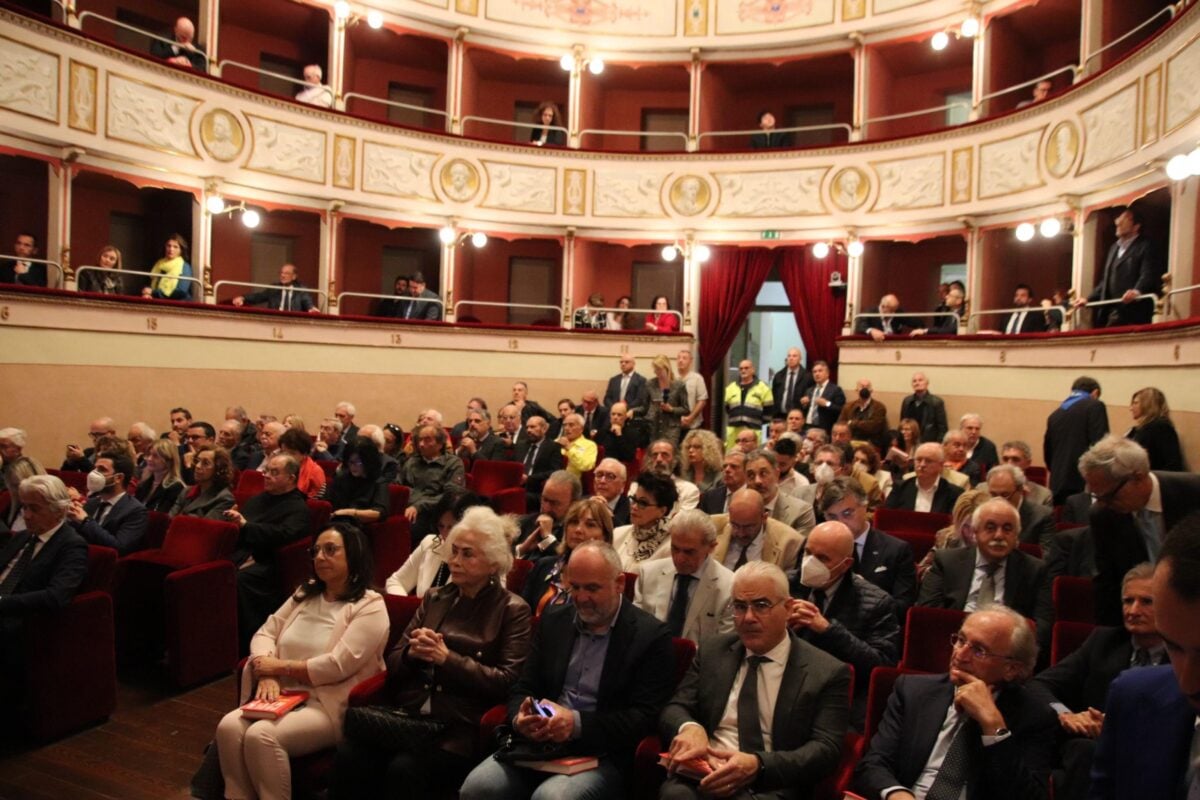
<point x="512" y="747"/>
<point x="389" y="728"/>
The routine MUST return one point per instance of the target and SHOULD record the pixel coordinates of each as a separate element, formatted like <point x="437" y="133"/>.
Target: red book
<point x="288" y="700"/>
<point x="695" y="768"/>
<point x="572" y="765"/>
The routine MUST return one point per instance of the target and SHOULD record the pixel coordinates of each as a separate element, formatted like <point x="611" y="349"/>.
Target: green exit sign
<point x="770" y="234"/>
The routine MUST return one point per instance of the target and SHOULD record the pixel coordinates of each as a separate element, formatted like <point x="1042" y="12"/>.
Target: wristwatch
<point x="1001" y="732"/>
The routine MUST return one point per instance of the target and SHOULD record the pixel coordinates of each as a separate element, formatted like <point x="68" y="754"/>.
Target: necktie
<point x="818" y="599"/>
<point x="679" y="604"/>
<point x="624" y="386"/>
<point x="788" y="403"/>
<point x="812" y="407"/>
<point x="750" y="738"/>
<point x="1141" y="657"/>
<point x="1193" y="764"/>
<point x="285" y="300"/>
<point x="529" y="456"/>
<point x="20" y="564"/>
<point x="443" y="575"/>
<point x="101" y="511"/>
<point x="952" y="777"/>
<point x="987" y="587"/>
<point x="587" y="424"/>
<point x="742" y="557"/>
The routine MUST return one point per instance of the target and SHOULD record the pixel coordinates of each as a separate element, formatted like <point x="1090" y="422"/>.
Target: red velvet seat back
<point x="927" y="638"/>
<point x="102" y="565"/>
<point x="73" y="479"/>
<point x="899" y="519"/>
<point x="319" y="511"/>
<point x="1074" y="599"/>
<point x="1067" y="638"/>
<point x="391" y="543"/>
<point x="401" y="610"/>
<point x="330" y="468"/>
<point x="490" y="477"/>
<point x="156" y="529"/>
<point x="518" y="574"/>
<point x="920" y="542"/>
<point x="1039" y="475"/>
<point x="397" y="498"/>
<point x="194" y="540"/>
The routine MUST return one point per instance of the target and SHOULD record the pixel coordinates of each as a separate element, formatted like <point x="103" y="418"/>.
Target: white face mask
<point x="96" y="481"/>
<point x="824" y="474"/>
<point x="813" y="573"/>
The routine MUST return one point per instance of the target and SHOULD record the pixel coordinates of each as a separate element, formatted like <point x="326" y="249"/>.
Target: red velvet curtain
<point x="729" y="283"/>
<point x="819" y="310"/>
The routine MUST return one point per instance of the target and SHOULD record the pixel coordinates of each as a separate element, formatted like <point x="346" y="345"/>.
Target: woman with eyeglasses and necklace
<point x="458" y="657"/>
<point x="325" y="639"/>
<point x="649" y="507"/>
<point x="426" y="567"/>
<point x="586" y="520"/>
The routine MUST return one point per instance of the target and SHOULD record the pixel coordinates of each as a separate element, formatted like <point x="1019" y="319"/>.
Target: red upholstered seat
<point x="1039" y="475"/>
<point x="517" y="575"/>
<point x="319" y="512"/>
<point x="391" y="543"/>
<point x="194" y="540"/>
<point x="73" y="479"/>
<point x="156" y="529"/>
<point x="1074" y="599"/>
<point x="630" y="583"/>
<point x="509" y="501"/>
<point x="927" y="638"/>
<point x="250" y="481"/>
<point x="490" y="477"/>
<point x="920" y="542"/>
<point x="330" y="467"/>
<point x="397" y="498"/>
<point x="1067" y="638"/>
<point x="898" y="519"/>
<point x="1031" y="548"/>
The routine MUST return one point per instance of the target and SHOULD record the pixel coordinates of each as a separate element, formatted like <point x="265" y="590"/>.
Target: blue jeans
<point x="492" y="780"/>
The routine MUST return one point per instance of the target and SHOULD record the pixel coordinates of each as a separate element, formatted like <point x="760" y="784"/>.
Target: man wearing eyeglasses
<point x="79" y="459"/>
<point x="610" y="477"/>
<point x="763" y="710"/>
<point x="748" y="534"/>
<point x="1037" y="522"/>
<point x="994" y="571"/>
<point x="199" y="434"/>
<point x="1132" y="510"/>
<point x="976" y="732"/>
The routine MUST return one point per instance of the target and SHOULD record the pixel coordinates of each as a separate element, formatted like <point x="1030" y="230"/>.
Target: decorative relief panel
<point x="853" y="9"/>
<point x="689" y="195"/>
<point x="849" y="189"/>
<point x="1061" y="149"/>
<point x="84" y="84"/>
<point x="911" y="182"/>
<point x="695" y="18"/>
<point x="574" y="192"/>
<point x="612" y="17"/>
<point x="618" y="193"/>
<point x="145" y="115"/>
<point x="960" y="175"/>
<point x="775" y="193"/>
<point x="1183" y="86"/>
<point x="1009" y="165"/>
<point x="1110" y="129"/>
<point x="459" y="180"/>
<point x="399" y="171"/>
<point x="222" y="135"/>
<point x="343" y="162"/>
<point x="1151" y="94"/>
<point x="287" y="150"/>
<point x="756" y="16"/>
<point x="28" y="80"/>
<point x="520" y="188"/>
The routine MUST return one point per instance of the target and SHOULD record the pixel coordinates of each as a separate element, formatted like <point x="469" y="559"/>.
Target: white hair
<point x="346" y="406"/>
<point x="495" y="533"/>
<point x="14" y="435"/>
<point x="142" y="429"/>
<point x="693" y="519"/>
<point x="762" y="569"/>
<point x="51" y="489"/>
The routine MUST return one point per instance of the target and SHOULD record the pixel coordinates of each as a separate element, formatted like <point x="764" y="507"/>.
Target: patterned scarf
<point x="649" y="539"/>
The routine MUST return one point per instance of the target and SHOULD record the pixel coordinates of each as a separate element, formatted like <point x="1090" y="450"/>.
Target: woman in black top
<point x="547" y="115"/>
<point x="1153" y="430"/>
<point x="356" y="493"/>
<point x="162" y="483"/>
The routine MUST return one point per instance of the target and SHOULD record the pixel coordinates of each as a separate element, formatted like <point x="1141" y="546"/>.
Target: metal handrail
<point x="228" y="62"/>
<point x="144" y="273"/>
<point x="322" y="296"/>
<point x="1072" y="68"/>
<point x="615" y="310"/>
<point x="61" y="273"/>
<point x="136" y="29"/>
<point x="607" y="132"/>
<point x="1172" y="10"/>
<point x="1017" y="310"/>
<point x="1115" y="301"/>
<point x="437" y="301"/>
<point x="494" y="304"/>
<point x="921" y="314"/>
<point x="512" y="123"/>
<point x="1180" y="290"/>
<point x="916" y="113"/>
<point x="346" y="98"/>
<point x="798" y="129"/>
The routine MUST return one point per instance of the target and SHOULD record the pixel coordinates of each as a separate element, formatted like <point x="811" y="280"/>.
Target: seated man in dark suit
<point x="328" y="445"/>
<point x="541" y="530"/>
<point x="603" y="668"/>
<point x="229" y="436"/>
<point x="756" y="687"/>
<point x="182" y="52"/>
<point x="595" y="416"/>
<point x="540" y="455"/>
<point x="885" y="324"/>
<point x="1150" y="721"/>
<point x="429" y="473"/>
<point x="926" y="491"/>
<point x="1072" y="553"/>
<point x="40" y="568"/>
<point x="268" y="522"/>
<point x="79" y="459"/>
<point x="110" y="517"/>
<point x="954" y="445"/>
<point x="20" y="271"/>
<point x="1030" y="319"/>
<point x="394" y="306"/>
<point x="289" y="296"/>
<point x="610" y="478"/>
<point x="1077" y="687"/>
<point x="479" y="442"/>
<point x="993" y="571"/>
<point x="1037" y="521"/>
<point x="880" y="558"/>
<point x="619" y="439"/>
<point x="733" y="477"/>
<point x="976" y="732"/>
<point x="842" y="613"/>
<point x="425" y="305"/>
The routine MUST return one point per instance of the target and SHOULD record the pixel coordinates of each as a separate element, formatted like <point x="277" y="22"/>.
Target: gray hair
<point x="762" y="569"/>
<point x="1141" y="572"/>
<point x="563" y="476"/>
<point x="766" y="455"/>
<point x="606" y="551"/>
<point x="334" y="423"/>
<point x="842" y="488"/>
<point x="819" y="433"/>
<point x="142" y="429"/>
<point x="934" y="447"/>
<point x="793" y="437"/>
<point x="375" y="434"/>
<point x="616" y="466"/>
<point x="1018" y="474"/>
<point x="1023" y="644"/>
<point x="51" y="489"/>
<point x="495" y="532"/>
<point x="954" y="434"/>
<point x="1117" y="457"/>
<point x="14" y="435"/>
<point x="965" y="417"/>
<point x="346" y="406"/>
<point x="693" y="519"/>
<point x="999" y="504"/>
<point x="1017" y="444"/>
<point x="290" y="464"/>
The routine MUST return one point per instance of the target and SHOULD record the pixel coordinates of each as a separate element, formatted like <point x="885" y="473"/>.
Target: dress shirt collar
<point x="1154" y="504"/>
<point x="779" y="653"/>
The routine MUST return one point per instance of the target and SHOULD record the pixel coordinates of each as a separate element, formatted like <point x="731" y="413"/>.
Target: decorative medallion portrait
<point x="690" y="195"/>
<point x="1061" y="149"/>
<point x="460" y="180"/>
<point x="849" y="189"/>
<point x="222" y="135"/>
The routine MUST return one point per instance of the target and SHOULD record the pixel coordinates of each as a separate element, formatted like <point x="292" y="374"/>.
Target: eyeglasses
<point x="605" y="476"/>
<point x="328" y="550"/>
<point x="1108" y="496"/>
<point x="643" y="503"/>
<point x="845" y="513"/>
<point x="760" y="606"/>
<point x="977" y="650"/>
<point x="1008" y="496"/>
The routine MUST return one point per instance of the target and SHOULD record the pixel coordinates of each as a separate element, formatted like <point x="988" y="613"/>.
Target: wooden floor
<point x="148" y="750"/>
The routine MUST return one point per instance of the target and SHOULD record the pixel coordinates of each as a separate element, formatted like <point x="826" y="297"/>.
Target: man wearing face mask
<point x="831" y="461"/>
<point x="880" y="558"/>
<point x="842" y="613"/>
<point x="748" y="534"/>
<point x="110" y="517"/>
<point x="867" y="418"/>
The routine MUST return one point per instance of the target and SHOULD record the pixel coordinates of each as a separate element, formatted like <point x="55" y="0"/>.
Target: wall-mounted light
<point x="853" y="248"/>
<point x="967" y="29"/>
<point x="594" y="64"/>
<point x="215" y="206"/>
<point x="346" y="18"/>
<point x="700" y="253"/>
<point x="1184" y="165"/>
<point x="1050" y="227"/>
<point x="375" y="19"/>
<point x="449" y="235"/>
<point x="1025" y="231"/>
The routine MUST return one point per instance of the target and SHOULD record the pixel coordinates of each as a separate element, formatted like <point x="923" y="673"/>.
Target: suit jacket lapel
<point x="704" y="587"/>
<point x="13" y="547"/>
<point x="770" y="551"/>
<point x="724" y="670"/>
<point x="618" y="645"/>
<point x="794" y="675"/>
<point x="930" y="716"/>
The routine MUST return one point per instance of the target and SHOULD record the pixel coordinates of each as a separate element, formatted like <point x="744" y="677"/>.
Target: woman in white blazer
<point x="325" y="639"/>
<point x="426" y="567"/>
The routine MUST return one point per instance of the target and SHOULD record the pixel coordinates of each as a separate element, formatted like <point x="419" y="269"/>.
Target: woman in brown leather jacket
<point x="458" y="657"/>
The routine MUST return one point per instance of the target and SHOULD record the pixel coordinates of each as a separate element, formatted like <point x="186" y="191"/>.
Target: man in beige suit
<point x="747" y="533"/>
<point x="762" y="475"/>
<point x="690" y="591"/>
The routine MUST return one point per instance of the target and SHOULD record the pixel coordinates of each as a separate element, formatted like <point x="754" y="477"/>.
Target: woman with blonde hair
<point x="1153" y="430"/>
<point x="700" y="459"/>
<point x="586" y="520"/>
<point x="162" y="482"/>
<point x="104" y="282"/>
<point x="668" y="402"/>
<point x="960" y="532"/>
<point x="167" y="271"/>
